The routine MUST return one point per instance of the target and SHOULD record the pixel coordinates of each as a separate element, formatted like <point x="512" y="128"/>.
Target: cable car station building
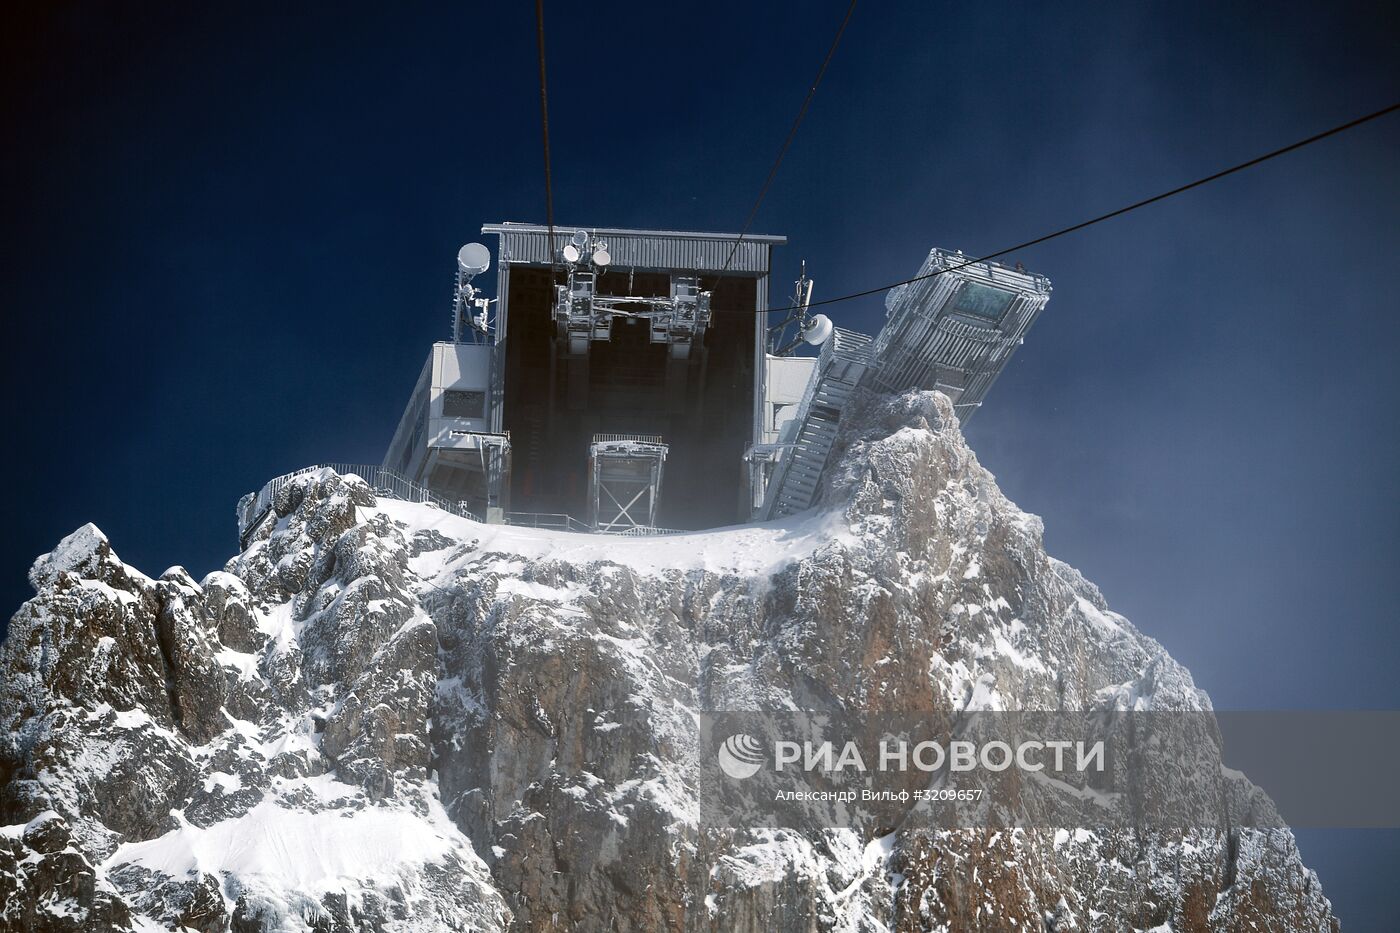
<point x="629" y="381"/>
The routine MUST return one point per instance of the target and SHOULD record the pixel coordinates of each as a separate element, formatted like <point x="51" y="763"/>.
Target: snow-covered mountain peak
<point x="381" y="716"/>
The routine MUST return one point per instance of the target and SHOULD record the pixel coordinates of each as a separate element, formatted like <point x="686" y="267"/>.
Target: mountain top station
<point x="642" y="381"/>
<point x="637" y="380"/>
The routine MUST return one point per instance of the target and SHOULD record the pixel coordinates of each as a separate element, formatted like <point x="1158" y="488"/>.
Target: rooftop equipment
<point x="470" y="314"/>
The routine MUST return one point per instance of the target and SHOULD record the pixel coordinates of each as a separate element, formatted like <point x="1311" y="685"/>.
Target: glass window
<point x="459" y="404"/>
<point x="983" y="301"/>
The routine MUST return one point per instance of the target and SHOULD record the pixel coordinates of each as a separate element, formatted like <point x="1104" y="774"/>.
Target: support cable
<point x="544" y="127"/>
<point x="772" y="172"/>
<point x="1351" y="124"/>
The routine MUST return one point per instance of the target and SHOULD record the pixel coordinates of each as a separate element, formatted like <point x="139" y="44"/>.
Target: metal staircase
<point x="840" y="368"/>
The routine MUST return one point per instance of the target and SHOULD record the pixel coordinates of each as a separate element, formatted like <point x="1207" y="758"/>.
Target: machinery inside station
<point x="576" y="369"/>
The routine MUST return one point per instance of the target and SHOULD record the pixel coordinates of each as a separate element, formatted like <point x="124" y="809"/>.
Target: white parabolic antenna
<point x="571" y="253"/>
<point x="473" y="259"/>
<point x="817" y="330"/>
<point x="601" y="256"/>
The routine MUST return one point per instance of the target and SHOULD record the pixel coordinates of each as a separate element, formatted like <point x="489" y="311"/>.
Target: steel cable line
<point x="1351" y="124"/>
<point x="544" y="127"/>
<point x="772" y="172"/>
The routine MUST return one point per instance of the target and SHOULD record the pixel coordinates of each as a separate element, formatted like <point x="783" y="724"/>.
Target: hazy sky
<point x="231" y="233"/>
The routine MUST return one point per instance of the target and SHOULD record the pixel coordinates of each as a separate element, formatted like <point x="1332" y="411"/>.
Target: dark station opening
<point x="554" y="403"/>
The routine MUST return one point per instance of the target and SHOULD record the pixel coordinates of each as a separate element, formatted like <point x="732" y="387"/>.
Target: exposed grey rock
<point x="383" y="717"/>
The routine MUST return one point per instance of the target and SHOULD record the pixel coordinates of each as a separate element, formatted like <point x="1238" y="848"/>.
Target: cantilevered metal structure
<point x="956" y="327"/>
<point x="953" y="329"/>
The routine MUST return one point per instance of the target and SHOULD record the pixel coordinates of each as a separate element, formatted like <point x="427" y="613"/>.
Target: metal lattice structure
<point x="625" y="481"/>
<point x="956" y="330"/>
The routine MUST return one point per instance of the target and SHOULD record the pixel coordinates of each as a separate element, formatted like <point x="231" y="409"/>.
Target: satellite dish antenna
<point x="571" y="253"/>
<point x="601" y="256"/>
<point x="473" y="259"/>
<point x="580" y="239"/>
<point x="817" y="329"/>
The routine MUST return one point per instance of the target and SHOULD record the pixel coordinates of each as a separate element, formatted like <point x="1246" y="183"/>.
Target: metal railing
<point x="385" y="482"/>
<point x="395" y="486"/>
<point x="640" y="531"/>
<point x="632" y="438"/>
<point x="252" y="512"/>
<point x="555" y="521"/>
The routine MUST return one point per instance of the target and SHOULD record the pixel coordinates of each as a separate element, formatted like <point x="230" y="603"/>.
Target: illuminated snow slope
<point x="380" y="716"/>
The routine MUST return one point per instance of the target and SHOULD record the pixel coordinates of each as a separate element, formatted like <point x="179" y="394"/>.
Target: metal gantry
<point x="624" y="485"/>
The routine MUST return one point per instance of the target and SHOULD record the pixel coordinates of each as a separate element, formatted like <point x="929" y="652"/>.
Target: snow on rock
<point x="246" y="752"/>
<point x="276" y="858"/>
<point x="381" y="716"/>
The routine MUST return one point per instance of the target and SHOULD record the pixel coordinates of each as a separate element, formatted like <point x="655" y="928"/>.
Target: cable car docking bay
<point x="631" y="381"/>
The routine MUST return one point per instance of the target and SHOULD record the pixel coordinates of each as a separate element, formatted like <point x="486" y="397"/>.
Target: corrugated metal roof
<point x="644" y="249"/>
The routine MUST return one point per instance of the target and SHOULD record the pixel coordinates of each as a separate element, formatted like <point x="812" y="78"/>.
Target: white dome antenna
<point x="574" y="250"/>
<point x="817" y="329"/>
<point x="473" y="259"/>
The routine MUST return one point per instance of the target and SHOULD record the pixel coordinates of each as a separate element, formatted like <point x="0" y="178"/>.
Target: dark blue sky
<point x="231" y="233"/>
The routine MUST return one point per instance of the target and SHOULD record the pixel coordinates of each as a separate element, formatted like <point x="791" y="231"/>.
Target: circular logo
<point x="740" y="756"/>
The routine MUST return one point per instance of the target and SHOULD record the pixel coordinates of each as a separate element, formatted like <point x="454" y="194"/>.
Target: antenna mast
<point x="795" y="329"/>
<point x="471" y="321"/>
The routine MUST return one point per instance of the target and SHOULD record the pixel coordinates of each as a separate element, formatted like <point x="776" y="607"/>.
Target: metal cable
<point x="1351" y="124"/>
<point x="544" y="125"/>
<point x="772" y="172"/>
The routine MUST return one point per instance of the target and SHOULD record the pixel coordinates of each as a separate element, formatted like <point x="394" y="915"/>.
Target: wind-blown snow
<point x="744" y="549"/>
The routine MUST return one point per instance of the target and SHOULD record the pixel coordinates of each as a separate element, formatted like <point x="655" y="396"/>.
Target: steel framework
<point x="624" y="481"/>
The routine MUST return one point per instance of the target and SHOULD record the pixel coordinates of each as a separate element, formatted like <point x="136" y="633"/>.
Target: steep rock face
<point x="381" y="716"/>
<point x="245" y="753"/>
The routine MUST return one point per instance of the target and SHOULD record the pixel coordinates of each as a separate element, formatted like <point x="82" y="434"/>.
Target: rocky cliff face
<point x="383" y="717"/>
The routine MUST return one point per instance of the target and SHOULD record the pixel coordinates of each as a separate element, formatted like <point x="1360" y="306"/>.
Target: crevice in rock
<point x="1232" y="860"/>
<point x="169" y="671"/>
